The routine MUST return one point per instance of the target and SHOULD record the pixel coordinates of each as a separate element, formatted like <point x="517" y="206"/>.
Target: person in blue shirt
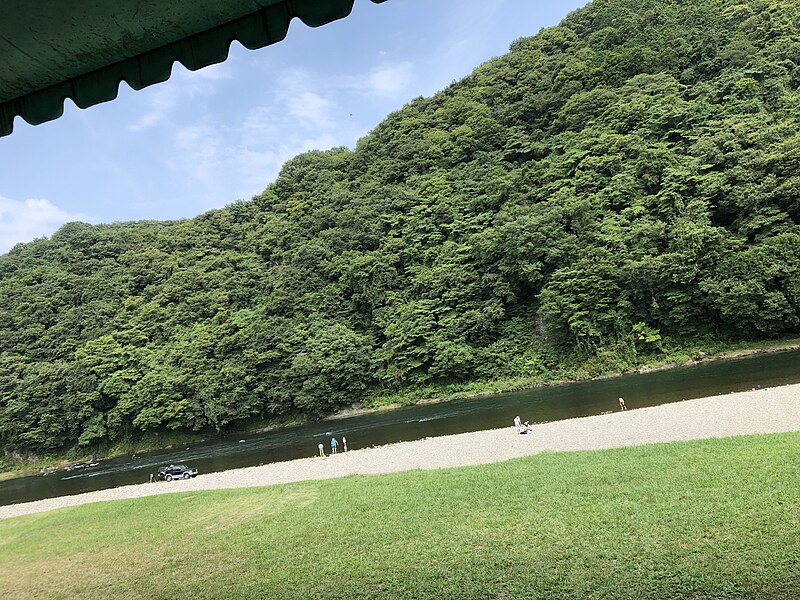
<point x="334" y="443"/>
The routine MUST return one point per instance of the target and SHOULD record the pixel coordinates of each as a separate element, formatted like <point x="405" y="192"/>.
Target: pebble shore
<point x="755" y="412"/>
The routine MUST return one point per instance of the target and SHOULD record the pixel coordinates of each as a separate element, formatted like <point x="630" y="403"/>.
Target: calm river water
<point x="416" y="422"/>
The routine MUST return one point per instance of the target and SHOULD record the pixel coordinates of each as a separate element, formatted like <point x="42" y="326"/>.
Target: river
<point x="415" y="422"/>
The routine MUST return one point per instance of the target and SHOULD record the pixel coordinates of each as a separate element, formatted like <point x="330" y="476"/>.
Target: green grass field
<point x="709" y="519"/>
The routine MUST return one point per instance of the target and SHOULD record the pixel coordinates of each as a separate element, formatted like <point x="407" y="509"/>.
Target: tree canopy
<point x="625" y="180"/>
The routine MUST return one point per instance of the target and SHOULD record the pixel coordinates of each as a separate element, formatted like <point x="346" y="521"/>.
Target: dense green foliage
<point x="619" y="185"/>
<point x="710" y="519"/>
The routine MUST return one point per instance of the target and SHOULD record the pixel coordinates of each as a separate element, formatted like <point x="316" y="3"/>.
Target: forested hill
<point x="623" y="184"/>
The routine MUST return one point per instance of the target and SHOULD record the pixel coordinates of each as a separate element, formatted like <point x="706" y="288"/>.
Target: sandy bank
<point x="764" y="411"/>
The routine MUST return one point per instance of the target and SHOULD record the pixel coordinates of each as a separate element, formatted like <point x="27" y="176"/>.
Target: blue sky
<point x="205" y="139"/>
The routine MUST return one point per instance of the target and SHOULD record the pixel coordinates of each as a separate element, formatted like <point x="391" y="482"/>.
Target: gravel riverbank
<point x="763" y="411"/>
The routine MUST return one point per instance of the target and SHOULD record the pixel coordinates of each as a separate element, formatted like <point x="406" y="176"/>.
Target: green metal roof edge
<point x="255" y="30"/>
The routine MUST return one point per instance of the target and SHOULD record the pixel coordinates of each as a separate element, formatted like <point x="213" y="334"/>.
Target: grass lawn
<point x="709" y="519"/>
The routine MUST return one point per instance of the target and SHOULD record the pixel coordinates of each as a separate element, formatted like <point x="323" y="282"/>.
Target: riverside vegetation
<point x="615" y="191"/>
<point x="707" y="519"/>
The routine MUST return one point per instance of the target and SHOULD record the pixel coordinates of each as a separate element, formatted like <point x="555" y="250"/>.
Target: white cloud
<point x="217" y="72"/>
<point x="248" y="151"/>
<point x="238" y="153"/>
<point x="387" y="79"/>
<point x="26" y="220"/>
<point x="310" y="109"/>
<point x="259" y="167"/>
<point x="160" y="103"/>
<point x="200" y="150"/>
<point x="291" y="80"/>
<point x="163" y="100"/>
<point x="260" y="126"/>
<point x="298" y="95"/>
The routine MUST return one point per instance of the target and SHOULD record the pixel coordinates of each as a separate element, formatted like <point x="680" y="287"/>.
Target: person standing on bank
<point x="334" y="443"/>
<point x="622" y="404"/>
<point x="344" y="443"/>
<point x="321" y="450"/>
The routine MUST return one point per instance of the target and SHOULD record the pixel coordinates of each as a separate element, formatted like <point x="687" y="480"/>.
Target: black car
<point x="175" y="472"/>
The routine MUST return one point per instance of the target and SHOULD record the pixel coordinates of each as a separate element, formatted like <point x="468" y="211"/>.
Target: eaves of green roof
<point x="51" y="50"/>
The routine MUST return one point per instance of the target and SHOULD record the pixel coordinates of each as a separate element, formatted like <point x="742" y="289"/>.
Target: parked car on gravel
<point x="175" y="472"/>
